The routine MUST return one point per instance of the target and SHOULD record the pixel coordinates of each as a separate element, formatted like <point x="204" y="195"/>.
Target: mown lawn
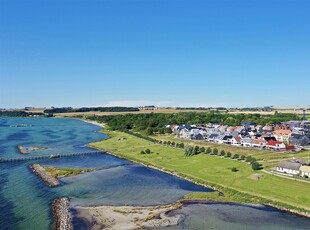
<point x="210" y="170"/>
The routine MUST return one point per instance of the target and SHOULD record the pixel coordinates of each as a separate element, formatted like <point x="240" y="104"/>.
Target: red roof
<point x="274" y="143"/>
<point x="290" y="147"/>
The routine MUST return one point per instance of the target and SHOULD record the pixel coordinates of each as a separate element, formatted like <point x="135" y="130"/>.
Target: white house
<point x="290" y="166"/>
<point x="304" y="170"/>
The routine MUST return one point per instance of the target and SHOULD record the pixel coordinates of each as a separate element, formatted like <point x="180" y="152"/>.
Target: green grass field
<point x="267" y="158"/>
<point x="213" y="171"/>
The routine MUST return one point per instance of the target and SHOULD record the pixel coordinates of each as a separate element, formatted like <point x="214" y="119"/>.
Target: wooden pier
<point x="50" y="156"/>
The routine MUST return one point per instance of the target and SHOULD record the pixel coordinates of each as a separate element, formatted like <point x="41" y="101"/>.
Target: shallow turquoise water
<point x="25" y="201"/>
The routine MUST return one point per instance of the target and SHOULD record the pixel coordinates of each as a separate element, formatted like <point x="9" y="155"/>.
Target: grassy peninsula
<point x="212" y="171"/>
<point x="65" y="172"/>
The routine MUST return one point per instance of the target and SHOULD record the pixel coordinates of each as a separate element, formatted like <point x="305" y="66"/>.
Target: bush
<point x="202" y="149"/>
<point x="248" y="159"/>
<point x="173" y="143"/>
<point x="228" y="154"/>
<point x="197" y="149"/>
<point x="234" y="169"/>
<point x="242" y="157"/>
<point x="142" y="152"/>
<point x="169" y="143"/>
<point x="256" y="166"/>
<point x="209" y="150"/>
<point x="223" y="153"/>
<point x="235" y="156"/>
<point x="147" y="151"/>
<point x="215" y="151"/>
<point x="182" y="145"/>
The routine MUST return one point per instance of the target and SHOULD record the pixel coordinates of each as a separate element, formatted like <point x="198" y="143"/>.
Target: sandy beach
<point x="128" y="217"/>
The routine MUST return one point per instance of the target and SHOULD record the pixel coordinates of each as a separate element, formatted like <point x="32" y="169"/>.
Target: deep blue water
<point x="25" y="201"/>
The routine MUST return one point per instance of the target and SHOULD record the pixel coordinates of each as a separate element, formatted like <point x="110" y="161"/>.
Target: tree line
<point x="155" y="122"/>
<point x="91" y="109"/>
<point x="21" y="113"/>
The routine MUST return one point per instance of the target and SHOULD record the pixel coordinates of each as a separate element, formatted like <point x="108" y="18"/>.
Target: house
<point x="212" y="137"/>
<point x="268" y="128"/>
<point x="290" y="166"/>
<point x="184" y="133"/>
<point x="246" y="142"/>
<point x="298" y="139"/>
<point x="236" y="141"/>
<point x="282" y="134"/>
<point x="304" y="171"/>
<point x="275" y="145"/>
<point x="227" y="139"/>
<point x="259" y="143"/>
<point x="196" y="134"/>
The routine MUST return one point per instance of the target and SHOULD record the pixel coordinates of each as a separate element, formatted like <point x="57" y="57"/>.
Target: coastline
<point x="205" y="200"/>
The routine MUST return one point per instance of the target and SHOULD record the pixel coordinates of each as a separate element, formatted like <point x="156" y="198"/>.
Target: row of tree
<point x="91" y="109"/>
<point x="155" y="122"/>
<point x="21" y="113"/>
<point x="194" y="150"/>
<point x="190" y="150"/>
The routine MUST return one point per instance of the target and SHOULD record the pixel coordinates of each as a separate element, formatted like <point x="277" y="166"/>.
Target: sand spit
<point x="128" y="217"/>
<point x="43" y="174"/>
<point x="61" y="214"/>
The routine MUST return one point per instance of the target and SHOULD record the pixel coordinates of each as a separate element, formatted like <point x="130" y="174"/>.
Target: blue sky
<point x="160" y="52"/>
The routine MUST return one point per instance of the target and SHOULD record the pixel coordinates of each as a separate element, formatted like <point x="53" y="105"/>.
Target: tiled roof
<point x="282" y="132"/>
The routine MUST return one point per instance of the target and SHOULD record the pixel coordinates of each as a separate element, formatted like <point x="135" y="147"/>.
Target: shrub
<point x="223" y="153"/>
<point x="142" y="152"/>
<point x="209" y="150"/>
<point x="234" y="169"/>
<point x="169" y="143"/>
<point x="182" y="145"/>
<point x="256" y="166"/>
<point x="242" y="157"/>
<point x="228" y="154"/>
<point x="173" y="143"/>
<point x="202" y="149"/>
<point x="235" y="156"/>
<point x="215" y="151"/>
<point x="147" y="151"/>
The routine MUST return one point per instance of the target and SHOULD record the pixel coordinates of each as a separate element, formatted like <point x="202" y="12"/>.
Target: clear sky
<point x="154" y="52"/>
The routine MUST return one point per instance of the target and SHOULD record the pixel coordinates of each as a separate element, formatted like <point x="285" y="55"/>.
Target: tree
<point x="215" y="151"/>
<point x="149" y="131"/>
<point x="169" y="143"/>
<point x="188" y="150"/>
<point x="228" y="154"/>
<point x="223" y="153"/>
<point x="168" y="130"/>
<point x="182" y="145"/>
<point x="147" y="151"/>
<point x="173" y="143"/>
<point x="256" y="166"/>
<point x="209" y="150"/>
<point x="235" y="156"/>
<point x="197" y="150"/>
<point x="202" y="149"/>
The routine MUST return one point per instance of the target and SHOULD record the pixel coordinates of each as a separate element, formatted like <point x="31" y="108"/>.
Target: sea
<point x="25" y="201"/>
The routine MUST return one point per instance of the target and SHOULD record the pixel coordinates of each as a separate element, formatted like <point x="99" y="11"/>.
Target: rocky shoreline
<point x="44" y="176"/>
<point x="62" y="217"/>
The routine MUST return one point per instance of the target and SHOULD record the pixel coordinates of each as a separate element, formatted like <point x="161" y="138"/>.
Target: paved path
<point x="290" y="178"/>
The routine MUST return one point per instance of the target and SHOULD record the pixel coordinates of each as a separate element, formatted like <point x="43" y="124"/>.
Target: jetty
<point x="62" y="217"/>
<point x="49" y="156"/>
<point x="44" y="175"/>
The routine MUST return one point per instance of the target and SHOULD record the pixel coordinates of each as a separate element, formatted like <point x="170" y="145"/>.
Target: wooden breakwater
<point x="50" y="156"/>
<point x="62" y="217"/>
<point x="44" y="175"/>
